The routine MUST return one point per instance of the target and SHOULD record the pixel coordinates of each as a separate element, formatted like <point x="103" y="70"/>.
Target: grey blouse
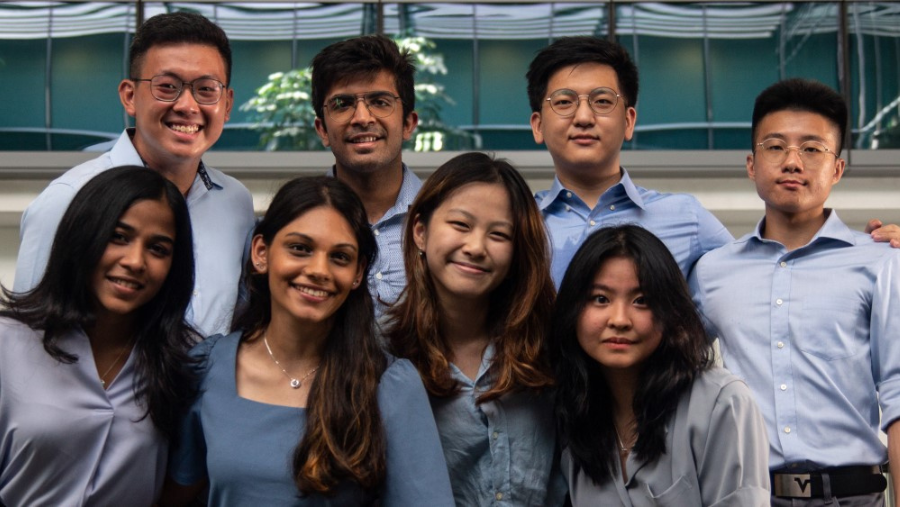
<point x="716" y="455"/>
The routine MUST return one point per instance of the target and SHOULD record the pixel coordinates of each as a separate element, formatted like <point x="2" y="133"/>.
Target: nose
<point x="474" y="245"/>
<point x="186" y="101"/>
<point x="361" y="113"/>
<point x="317" y="268"/>
<point x="619" y="317"/>
<point x="792" y="160"/>
<point x="584" y="115"/>
<point x="133" y="257"/>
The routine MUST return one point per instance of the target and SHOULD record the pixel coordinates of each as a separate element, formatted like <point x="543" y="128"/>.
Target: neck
<point x="622" y="386"/>
<point x="292" y="341"/>
<point x="464" y="326"/>
<point x="589" y="186"/>
<point x="181" y="172"/>
<point x="793" y="230"/>
<point x="378" y="190"/>
<point x="110" y="331"/>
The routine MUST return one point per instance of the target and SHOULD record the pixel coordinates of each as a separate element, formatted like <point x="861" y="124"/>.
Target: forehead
<point x="153" y="216"/>
<point x="323" y="224"/>
<point x="584" y="77"/>
<point x="187" y="60"/>
<point x="381" y="81"/>
<point x="795" y="125"/>
<point x="480" y="199"/>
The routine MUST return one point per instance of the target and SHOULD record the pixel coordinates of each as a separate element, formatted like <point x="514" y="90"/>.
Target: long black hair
<point x="64" y="299"/>
<point x="584" y="418"/>
<point x="344" y="436"/>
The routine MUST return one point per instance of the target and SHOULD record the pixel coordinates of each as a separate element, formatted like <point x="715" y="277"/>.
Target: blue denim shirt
<point x="501" y="452"/>
<point x="815" y="333"/>
<point x="679" y="220"/>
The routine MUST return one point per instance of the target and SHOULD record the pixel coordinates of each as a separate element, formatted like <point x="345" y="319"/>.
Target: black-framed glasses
<point x="166" y="88"/>
<point x="565" y="102"/>
<point x="380" y="104"/>
<point x="812" y="153"/>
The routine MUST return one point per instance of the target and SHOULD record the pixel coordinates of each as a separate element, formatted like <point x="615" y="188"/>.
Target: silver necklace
<point x="114" y="363"/>
<point x="295" y="383"/>
<point x="622" y="449"/>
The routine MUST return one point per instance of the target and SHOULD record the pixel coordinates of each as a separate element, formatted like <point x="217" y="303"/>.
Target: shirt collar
<point x="409" y="189"/>
<point x="625" y="185"/>
<point x="833" y="228"/>
<point x="122" y="153"/>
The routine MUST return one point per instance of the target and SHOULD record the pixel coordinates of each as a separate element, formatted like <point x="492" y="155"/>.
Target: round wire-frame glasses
<point x="812" y="153"/>
<point x="565" y="102"/>
<point x="166" y="88"/>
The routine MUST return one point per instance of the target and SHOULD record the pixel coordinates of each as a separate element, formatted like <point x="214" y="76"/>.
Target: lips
<point x="125" y="283"/>
<point x="184" y="129"/>
<point x="312" y="291"/>
<point x="471" y="268"/>
<point x="792" y="183"/>
<point x="618" y="340"/>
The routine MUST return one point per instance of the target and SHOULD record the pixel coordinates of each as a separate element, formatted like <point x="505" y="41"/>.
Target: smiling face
<point x="171" y="135"/>
<point x="587" y="144"/>
<point x="136" y="261"/>
<point x="794" y="188"/>
<point x="364" y="143"/>
<point x="312" y="265"/>
<point x="468" y="242"/>
<point x="616" y="327"/>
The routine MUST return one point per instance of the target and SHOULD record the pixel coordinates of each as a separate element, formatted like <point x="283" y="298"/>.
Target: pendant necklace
<point x="295" y="383"/>
<point x="114" y="363"/>
<point x="622" y="449"/>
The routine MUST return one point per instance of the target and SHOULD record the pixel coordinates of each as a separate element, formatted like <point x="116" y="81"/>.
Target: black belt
<point x="841" y="481"/>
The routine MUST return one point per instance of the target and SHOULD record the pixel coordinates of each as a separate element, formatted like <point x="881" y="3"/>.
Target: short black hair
<point x="177" y="28"/>
<point x="801" y="95"/>
<point x="573" y="51"/>
<point x="363" y="58"/>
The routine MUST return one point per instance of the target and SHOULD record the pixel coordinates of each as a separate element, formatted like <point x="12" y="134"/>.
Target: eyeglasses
<point x="812" y="153"/>
<point x="166" y="88"/>
<point x="565" y="102"/>
<point x="379" y="104"/>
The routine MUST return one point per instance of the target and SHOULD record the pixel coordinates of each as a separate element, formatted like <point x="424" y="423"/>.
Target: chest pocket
<point x="832" y="328"/>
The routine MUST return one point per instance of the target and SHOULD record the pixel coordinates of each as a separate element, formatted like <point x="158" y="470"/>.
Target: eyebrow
<point x="803" y="139"/>
<point x="472" y="217"/>
<point x="155" y="237"/>
<point x="178" y="76"/>
<point x="309" y="239"/>
<point x="600" y="286"/>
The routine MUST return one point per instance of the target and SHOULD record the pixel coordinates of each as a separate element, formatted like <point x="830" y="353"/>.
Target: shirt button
<point x="783" y="264"/>
<point x="568" y="194"/>
<point x="499" y="496"/>
<point x="377" y="232"/>
<point x="568" y="208"/>
<point x="784" y="387"/>
<point x="778" y="301"/>
<point x="378" y="275"/>
<point x="787" y="429"/>
<point x="780" y="345"/>
<point x="593" y="223"/>
<point x="495" y="434"/>
<point x="195" y="293"/>
<point x="612" y="207"/>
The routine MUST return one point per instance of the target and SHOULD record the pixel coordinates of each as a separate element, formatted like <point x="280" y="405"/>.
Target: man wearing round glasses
<point x="363" y="95"/>
<point x="806" y="310"/>
<point x="177" y="92"/>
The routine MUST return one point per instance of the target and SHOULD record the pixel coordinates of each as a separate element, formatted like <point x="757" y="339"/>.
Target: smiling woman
<point x="98" y="346"/>
<point x="306" y="367"/>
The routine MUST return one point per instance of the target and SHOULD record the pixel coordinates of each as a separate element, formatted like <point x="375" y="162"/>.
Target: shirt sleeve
<point x="885" y="338"/>
<point x="416" y="469"/>
<point x="711" y="231"/>
<point x="37" y="230"/>
<point x="734" y="465"/>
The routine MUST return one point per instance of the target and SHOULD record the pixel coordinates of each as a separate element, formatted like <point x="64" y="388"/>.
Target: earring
<point x="355" y="283"/>
<point x="421" y="253"/>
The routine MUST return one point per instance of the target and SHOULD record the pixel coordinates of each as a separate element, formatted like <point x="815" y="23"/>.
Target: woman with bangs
<point x="300" y="406"/>
<point x="473" y="320"/>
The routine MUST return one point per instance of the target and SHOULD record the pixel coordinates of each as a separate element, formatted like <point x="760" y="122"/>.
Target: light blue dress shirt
<point x="64" y="440"/>
<point x="221" y="212"/>
<point x="246" y="447"/>
<point x="500" y="452"/>
<point x="815" y="333"/>
<point x="387" y="277"/>
<point x="679" y="220"/>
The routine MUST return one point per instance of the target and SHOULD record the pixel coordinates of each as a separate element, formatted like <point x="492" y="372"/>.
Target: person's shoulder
<point x="722" y="385"/>
<point x="13" y="329"/>
<point x="399" y="371"/>
<point x="215" y="344"/>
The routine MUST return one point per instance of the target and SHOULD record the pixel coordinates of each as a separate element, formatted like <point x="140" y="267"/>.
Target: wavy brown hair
<point x="521" y="305"/>
<point x="344" y="437"/>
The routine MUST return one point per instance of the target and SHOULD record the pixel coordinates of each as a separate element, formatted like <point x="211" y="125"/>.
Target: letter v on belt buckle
<point x="792" y="485"/>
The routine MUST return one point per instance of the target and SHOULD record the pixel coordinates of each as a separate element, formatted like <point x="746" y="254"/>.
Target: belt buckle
<point x="792" y="485"/>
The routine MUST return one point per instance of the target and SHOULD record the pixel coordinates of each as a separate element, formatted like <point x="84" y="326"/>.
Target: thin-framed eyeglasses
<point x="812" y="153"/>
<point x="166" y="88"/>
<point x="380" y="104"/>
<point x="565" y="102"/>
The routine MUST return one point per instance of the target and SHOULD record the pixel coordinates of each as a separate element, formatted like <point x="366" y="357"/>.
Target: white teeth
<point x="313" y="292"/>
<point x="186" y="129"/>
<point x="125" y="283"/>
<point x="371" y="139"/>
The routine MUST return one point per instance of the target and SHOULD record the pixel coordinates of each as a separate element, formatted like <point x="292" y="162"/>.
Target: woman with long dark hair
<point x="94" y="370"/>
<point x="644" y="417"/>
<point x="473" y="319"/>
<point x="300" y="406"/>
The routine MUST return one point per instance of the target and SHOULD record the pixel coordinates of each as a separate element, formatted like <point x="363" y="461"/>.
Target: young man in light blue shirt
<point x="177" y="91"/>
<point x="583" y="92"/>
<point x="364" y="98"/>
<point x="807" y="311"/>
